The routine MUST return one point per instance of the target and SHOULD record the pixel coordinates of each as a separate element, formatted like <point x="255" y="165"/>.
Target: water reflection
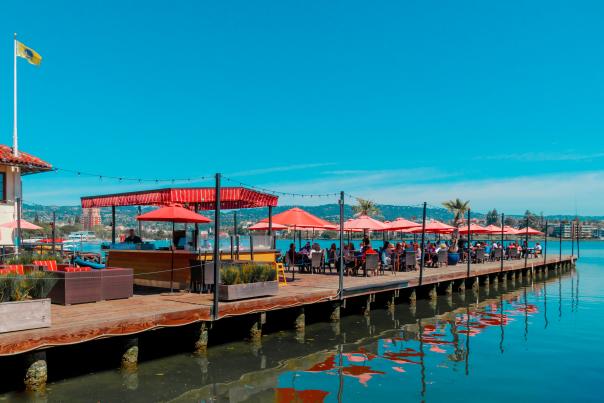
<point x="443" y="341"/>
<point x="411" y="348"/>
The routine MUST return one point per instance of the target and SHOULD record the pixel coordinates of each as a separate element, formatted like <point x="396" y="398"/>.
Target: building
<point x="90" y="218"/>
<point x="12" y="167"/>
<point x="583" y="230"/>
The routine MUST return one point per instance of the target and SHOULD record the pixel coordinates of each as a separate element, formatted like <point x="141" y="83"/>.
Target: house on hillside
<point x="12" y="167"/>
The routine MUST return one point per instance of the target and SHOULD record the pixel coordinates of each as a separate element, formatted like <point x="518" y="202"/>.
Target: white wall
<point x="8" y="210"/>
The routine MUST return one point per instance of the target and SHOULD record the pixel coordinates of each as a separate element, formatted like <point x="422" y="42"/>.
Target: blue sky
<point x="500" y="103"/>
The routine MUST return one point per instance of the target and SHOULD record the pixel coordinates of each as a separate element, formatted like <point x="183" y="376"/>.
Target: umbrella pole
<point x="172" y="262"/>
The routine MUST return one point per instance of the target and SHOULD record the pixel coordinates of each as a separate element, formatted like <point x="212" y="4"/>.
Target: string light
<point x="280" y="193"/>
<point x="127" y="179"/>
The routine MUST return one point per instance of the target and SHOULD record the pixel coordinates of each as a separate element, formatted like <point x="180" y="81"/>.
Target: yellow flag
<point x="28" y="53"/>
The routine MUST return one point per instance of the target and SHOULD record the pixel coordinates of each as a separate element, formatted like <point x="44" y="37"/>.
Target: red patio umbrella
<point x="475" y="229"/>
<point x="493" y="229"/>
<point x="529" y="231"/>
<point x="174" y="214"/>
<point x="401" y="224"/>
<point x="507" y="230"/>
<point x="263" y="226"/>
<point x="364" y="223"/>
<point x="298" y="218"/>
<point x="435" y="227"/>
<point x="23" y="224"/>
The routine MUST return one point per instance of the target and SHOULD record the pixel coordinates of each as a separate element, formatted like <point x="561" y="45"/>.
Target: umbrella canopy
<point x="174" y="214"/>
<point x="529" y="231"/>
<point x="363" y="223"/>
<point x="475" y="229"/>
<point x="401" y="224"/>
<point x="24" y="225"/>
<point x="298" y="218"/>
<point x="507" y="230"/>
<point x="435" y="227"/>
<point x="493" y="229"/>
<point x="263" y="226"/>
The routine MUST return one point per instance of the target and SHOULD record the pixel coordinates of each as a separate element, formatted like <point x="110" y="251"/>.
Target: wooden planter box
<point x="76" y="287"/>
<point x="116" y="283"/>
<point x="250" y="290"/>
<point x="24" y="315"/>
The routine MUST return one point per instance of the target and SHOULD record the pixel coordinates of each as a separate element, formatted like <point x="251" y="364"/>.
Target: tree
<point x="510" y="221"/>
<point x="531" y="219"/>
<point x="493" y="217"/>
<point x="458" y="208"/>
<point x="365" y="207"/>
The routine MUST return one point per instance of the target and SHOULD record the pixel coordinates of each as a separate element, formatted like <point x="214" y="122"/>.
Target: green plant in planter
<point x="230" y="275"/>
<point x="23" y="258"/>
<point x="247" y="273"/>
<point x="33" y="285"/>
<point x="8" y="283"/>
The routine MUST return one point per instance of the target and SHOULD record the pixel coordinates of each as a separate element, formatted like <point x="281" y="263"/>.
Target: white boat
<point x="81" y="236"/>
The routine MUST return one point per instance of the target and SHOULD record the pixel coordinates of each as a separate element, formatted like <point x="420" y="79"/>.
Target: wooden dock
<point x="86" y="322"/>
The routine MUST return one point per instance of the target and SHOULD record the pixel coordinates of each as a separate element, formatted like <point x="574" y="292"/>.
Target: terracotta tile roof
<point x="27" y="162"/>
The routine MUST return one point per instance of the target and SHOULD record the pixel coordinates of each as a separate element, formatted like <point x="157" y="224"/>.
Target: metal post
<point x="578" y="237"/>
<point x="54" y="232"/>
<point x="216" y="256"/>
<point x="526" y="242"/>
<point x="140" y="223"/>
<point x="196" y="243"/>
<point x="341" y="263"/>
<point x="469" y="263"/>
<point x="113" y="224"/>
<point x="502" y="240"/>
<point x="235" y="224"/>
<point x="545" y="244"/>
<point x="270" y="227"/>
<point x="572" y="238"/>
<point x="560" y="255"/>
<point x="18" y="243"/>
<point x="421" y="263"/>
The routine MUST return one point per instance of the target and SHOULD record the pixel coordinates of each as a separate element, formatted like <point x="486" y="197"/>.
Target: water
<point x="538" y="342"/>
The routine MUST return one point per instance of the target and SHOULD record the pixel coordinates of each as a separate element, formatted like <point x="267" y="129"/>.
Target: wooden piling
<point x="36" y="372"/>
<point x="201" y="342"/>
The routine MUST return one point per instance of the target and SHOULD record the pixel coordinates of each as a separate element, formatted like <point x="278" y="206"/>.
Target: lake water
<point x="537" y="342"/>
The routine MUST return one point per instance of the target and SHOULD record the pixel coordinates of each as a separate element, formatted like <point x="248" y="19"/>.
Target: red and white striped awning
<point x="204" y="198"/>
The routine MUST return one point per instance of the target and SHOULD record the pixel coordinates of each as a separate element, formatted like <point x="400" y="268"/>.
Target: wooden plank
<point x="24" y="315"/>
<point x="81" y="323"/>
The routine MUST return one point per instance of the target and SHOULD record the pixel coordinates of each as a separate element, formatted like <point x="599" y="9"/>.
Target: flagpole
<point x="15" y="138"/>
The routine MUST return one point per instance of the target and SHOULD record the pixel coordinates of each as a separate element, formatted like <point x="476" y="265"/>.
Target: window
<point x="2" y="187"/>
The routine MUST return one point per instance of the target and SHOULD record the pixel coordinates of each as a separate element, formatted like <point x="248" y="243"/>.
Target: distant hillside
<point x="126" y="215"/>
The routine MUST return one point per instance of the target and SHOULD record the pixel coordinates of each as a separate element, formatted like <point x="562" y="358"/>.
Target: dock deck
<point x="81" y="323"/>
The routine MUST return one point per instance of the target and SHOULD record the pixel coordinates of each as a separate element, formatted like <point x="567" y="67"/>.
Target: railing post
<point x="502" y="241"/>
<point x="469" y="263"/>
<point x="578" y="237"/>
<point x="421" y="263"/>
<point x="54" y="232"/>
<point x="216" y="256"/>
<point x="560" y="253"/>
<point x="573" y="228"/>
<point x="545" y="244"/>
<point x="112" y="225"/>
<point x="341" y="260"/>
<point x="526" y="243"/>
<point x="18" y="243"/>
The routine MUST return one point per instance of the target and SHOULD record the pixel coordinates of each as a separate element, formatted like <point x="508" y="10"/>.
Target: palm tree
<point x="365" y="207"/>
<point x="458" y="208"/>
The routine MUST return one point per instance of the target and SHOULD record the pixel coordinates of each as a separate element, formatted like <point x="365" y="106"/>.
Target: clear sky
<point x="501" y="103"/>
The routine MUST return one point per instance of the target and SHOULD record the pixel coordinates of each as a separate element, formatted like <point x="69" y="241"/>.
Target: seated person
<point x="538" y="249"/>
<point x="132" y="238"/>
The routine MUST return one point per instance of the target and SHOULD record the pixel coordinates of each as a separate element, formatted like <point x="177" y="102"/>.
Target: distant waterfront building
<point x="11" y="168"/>
<point x="90" y="218"/>
<point x="583" y="230"/>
